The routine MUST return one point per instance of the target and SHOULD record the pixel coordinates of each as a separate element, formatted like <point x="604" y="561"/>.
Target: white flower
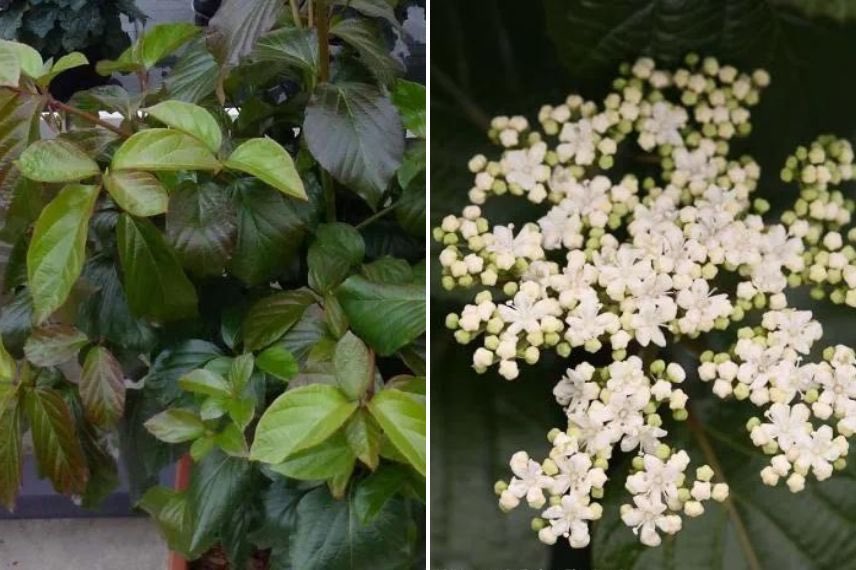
<point x="525" y="312"/>
<point x="659" y="480"/>
<point x="647" y="323"/>
<point x="646" y="517"/>
<point x="575" y="390"/>
<point x="570" y="518"/>
<point x="529" y="480"/>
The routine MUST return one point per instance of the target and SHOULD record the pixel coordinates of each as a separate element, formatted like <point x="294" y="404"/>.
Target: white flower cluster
<point x="635" y="264"/>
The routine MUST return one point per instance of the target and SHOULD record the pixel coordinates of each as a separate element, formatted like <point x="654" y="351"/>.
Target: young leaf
<point x="164" y="150"/>
<point x="337" y="248"/>
<point x="10" y="65"/>
<point x="176" y="425"/>
<point x="279" y="362"/>
<point x="299" y="419"/>
<point x="155" y="44"/>
<point x="354" y="365"/>
<point x="154" y="281"/>
<point x="356" y="134"/>
<point x="55" y="442"/>
<point x="56" y="160"/>
<point x="364" y="437"/>
<point x="102" y="387"/>
<point x="402" y="417"/>
<point x="326" y="460"/>
<point x="57" y="250"/>
<point x="386" y="316"/>
<point x="232" y="441"/>
<point x="265" y="159"/>
<point x="11" y="455"/>
<point x="240" y="372"/>
<point x="55" y="344"/>
<point x="8" y="367"/>
<point x="202" y="381"/>
<point x="273" y="316"/>
<point x="138" y="193"/>
<point x="409" y="98"/>
<point x="66" y="62"/>
<point x="191" y="119"/>
<point x="201" y="447"/>
<point x="241" y="410"/>
<point x="29" y="61"/>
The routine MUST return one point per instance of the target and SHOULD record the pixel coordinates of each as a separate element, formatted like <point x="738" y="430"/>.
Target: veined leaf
<point x="56" y="160"/>
<point x="194" y="75"/>
<point x="11" y="456"/>
<point x="272" y="316"/>
<point x="155" y="44"/>
<point x="238" y="24"/>
<point x="265" y="159"/>
<point x="164" y="150"/>
<point x="279" y="362"/>
<point x="52" y="345"/>
<point x="154" y="281"/>
<point x="138" y="193"/>
<point x="292" y="47"/>
<point x="364" y="37"/>
<point x="326" y="460"/>
<point x="356" y="134"/>
<point x="202" y="381"/>
<point x="191" y="119"/>
<point x="354" y="365"/>
<point x="10" y="65"/>
<point x="299" y="419"/>
<point x="102" y="387"/>
<point x="402" y="417"/>
<point x="335" y="251"/>
<point x="364" y="437"/>
<point x="201" y="226"/>
<point x="373" y="9"/>
<point x="55" y="442"/>
<point x="57" y="250"/>
<point x="386" y="316"/>
<point x="409" y="97"/>
<point x="19" y="115"/>
<point x="176" y="425"/>
<point x="172" y="512"/>
<point x="21" y="58"/>
<point x="373" y="492"/>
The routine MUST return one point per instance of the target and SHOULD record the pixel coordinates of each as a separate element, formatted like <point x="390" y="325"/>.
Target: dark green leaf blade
<point x="337" y="248"/>
<point x="102" y="387"/>
<point x="273" y="316"/>
<point x="201" y="227"/>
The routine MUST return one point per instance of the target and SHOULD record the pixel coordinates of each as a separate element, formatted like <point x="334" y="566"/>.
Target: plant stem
<point x="329" y="195"/>
<point x="322" y="26"/>
<point x="53" y="103"/>
<point x="376" y="216"/>
<point x="310" y="13"/>
<point x="295" y="13"/>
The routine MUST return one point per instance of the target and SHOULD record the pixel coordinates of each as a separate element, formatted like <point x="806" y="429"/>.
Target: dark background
<point x="510" y="57"/>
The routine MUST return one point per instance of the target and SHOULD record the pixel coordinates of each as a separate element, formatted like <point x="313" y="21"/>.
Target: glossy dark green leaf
<point x="326" y="460"/>
<point x="279" y="362"/>
<point x="403" y="419"/>
<point x="194" y="75"/>
<point x="56" y="160"/>
<point x="383" y="9"/>
<point x="354" y="364"/>
<point x="373" y="492"/>
<point x="57" y="448"/>
<point x="164" y="150"/>
<point x="289" y="46"/>
<point x="388" y="270"/>
<point x="155" y="283"/>
<point x="410" y="208"/>
<point x="387" y="317"/>
<point x="102" y="387"/>
<point x="272" y="316"/>
<point x="238" y="24"/>
<point x="413" y="164"/>
<point x="299" y="419"/>
<point x="174" y="362"/>
<point x="364" y="37"/>
<point x="176" y="425"/>
<point x="334" y="252"/>
<point x="409" y="97"/>
<point x="58" y="248"/>
<point x="138" y="193"/>
<point x="356" y="134"/>
<point x="190" y="119"/>
<point x="172" y="512"/>
<point x="201" y="226"/>
<point x="265" y="159"/>
<point x="51" y="345"/>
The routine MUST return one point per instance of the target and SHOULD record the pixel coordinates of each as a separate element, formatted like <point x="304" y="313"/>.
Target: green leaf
<point x="57" y="448"/>
<point x="102" y="387"/>
<point x="269" y="233"/>
<point x="334" y="316"/>
<point x="19" y="58"/>
<point x="410" y="208"/>
<point x="328" y="534"/>
<point x="364" y="37"/>
<point x="354" y="365"/>
<point x="20" y="115"/>
<point x="241" y="410"/>
<point x="8" y="367"/>
<point x="411" y="384"/>
<point x="273" y="316"/>
<point x="218" y="484"/>
<point x="194" y="75"/>
<point x="58" y="248"/>
<point x="176" y="425"/>
<point x="413" y="165"/>
<point x="10" y="65"/>
<point x="265" y="159"/>
<point x="155" y="44"/>
<point x="202" y="381"/>
<point x="299" y="419"/>
<point x="191" y="119"/>
<point x="164" y="150"/>
<point x="241" y="371"/>
<point x="201" y="227"/>
<point x="289" y="46"/>
<point x="409" y="98"/>
<point x="201" y="447"/>
<point x="238" y="24"/>
<point x="172" y="511"/>
<point x="386" y="316"/>
<point x="11" y="454"/>
<point x="402" y="417"/>
<point x="388" y="270"/>
<point x="373" y="9"/>
<point x="52" y="345"/>
<point x="56" y="160"/>
<point x="326" y="460"/>
<point x="174" y="362"/>
<point x="279" y="362"/>
<point x="138" y="193"/>
<point x="337" y="248"/>
<point x="355" y="133"/>
<point x="364" y="437"/>
<point x="232" y="441"/>
<point x="373" y="492"/>
<point x="66" y="62"/>
<point x="154" y="281"/>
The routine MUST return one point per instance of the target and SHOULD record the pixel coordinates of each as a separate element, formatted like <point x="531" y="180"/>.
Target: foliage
<point x="804" y="55"/>
<point x="221" y="285"/>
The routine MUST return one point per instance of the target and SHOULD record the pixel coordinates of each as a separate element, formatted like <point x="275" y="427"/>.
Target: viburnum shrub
<point x="629" y="274"/>
<point x="232" y="269"/>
